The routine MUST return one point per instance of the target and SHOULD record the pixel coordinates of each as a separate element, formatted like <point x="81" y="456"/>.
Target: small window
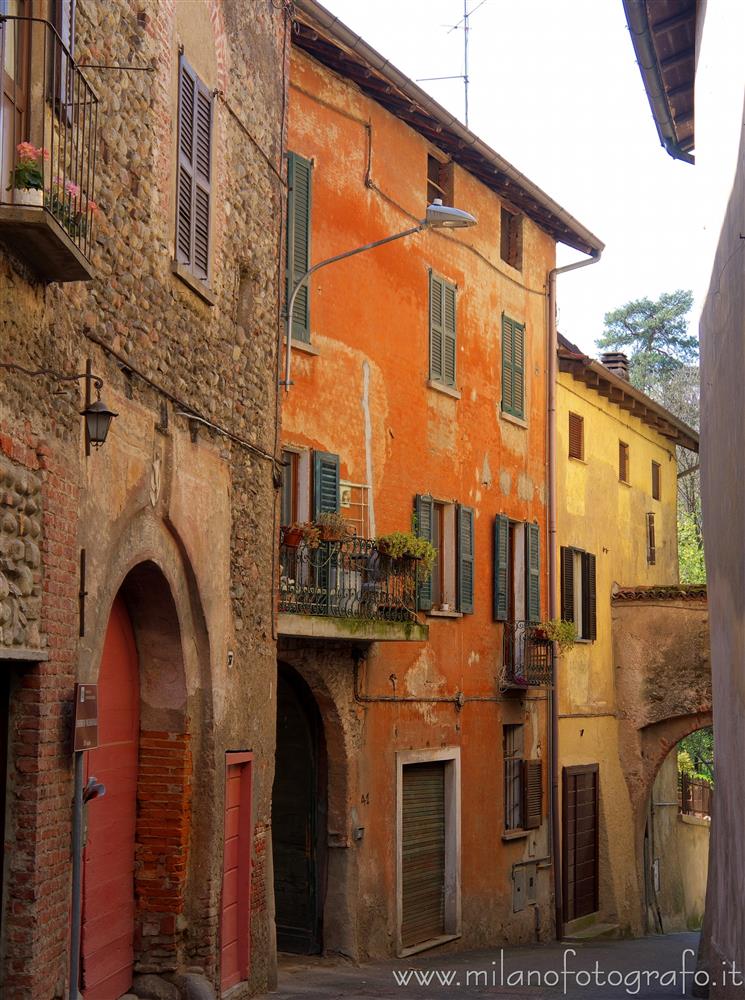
<point x="656" y="469"/>
<point x="517" y="570"/>
<point x="623" y="461"/>
<point x="578" y="591"/>
<point x="450" y="529"/>
<point x="576" y="436"/>
<point x="442" y="335"/>
<point x="513" y="367"/>
<point x="651" y="546"/>
<point x="512" y="743"/>
<point x="511" y="239"/>
<point x="439" y="181"/>
<point x="290" y="463"/>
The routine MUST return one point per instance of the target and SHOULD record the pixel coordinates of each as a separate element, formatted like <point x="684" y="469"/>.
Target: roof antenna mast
<point x="465" y="24"/>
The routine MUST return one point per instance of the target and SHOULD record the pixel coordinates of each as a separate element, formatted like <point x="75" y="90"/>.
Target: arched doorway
<point x="108" y="880"/>
<point x="676" y="835"/>
<point x="299" y="817"/>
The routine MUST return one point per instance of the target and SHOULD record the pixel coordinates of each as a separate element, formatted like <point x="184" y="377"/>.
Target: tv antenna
<point x="464" y="23"/>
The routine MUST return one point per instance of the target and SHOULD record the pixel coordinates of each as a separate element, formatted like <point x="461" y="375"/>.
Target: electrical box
<point x="518" y="888"/>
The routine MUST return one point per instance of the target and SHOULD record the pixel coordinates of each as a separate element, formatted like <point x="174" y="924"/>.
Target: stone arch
<point x="339" y="911"/>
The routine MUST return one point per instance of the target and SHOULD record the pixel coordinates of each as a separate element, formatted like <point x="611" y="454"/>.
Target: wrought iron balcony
<point x="527" y="656"/>
<point x="346" y="589"/>
<point x="48" y="129"/>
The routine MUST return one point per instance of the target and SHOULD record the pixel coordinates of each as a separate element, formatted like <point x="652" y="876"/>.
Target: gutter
<point x="646" y="57"/>
<point x="553" y="602"/>
<point x="585" y="241"/>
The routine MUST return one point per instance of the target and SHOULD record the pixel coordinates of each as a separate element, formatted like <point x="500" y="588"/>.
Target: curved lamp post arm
<point x="317" y="267"/>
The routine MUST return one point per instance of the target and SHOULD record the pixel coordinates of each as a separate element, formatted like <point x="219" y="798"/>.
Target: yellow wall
<point x="600" y="514"/>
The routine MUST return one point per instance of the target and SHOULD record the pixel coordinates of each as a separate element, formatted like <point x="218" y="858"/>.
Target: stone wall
<point x="202" y="509"/>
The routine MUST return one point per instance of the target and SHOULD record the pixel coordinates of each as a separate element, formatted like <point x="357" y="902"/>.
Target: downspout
<point x="553" y="602"/>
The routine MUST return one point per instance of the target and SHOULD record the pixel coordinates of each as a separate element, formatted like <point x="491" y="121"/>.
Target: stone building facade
<point x="144" y="566"/>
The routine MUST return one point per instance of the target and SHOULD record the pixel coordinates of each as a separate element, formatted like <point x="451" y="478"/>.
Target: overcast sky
<point x="555" y="89"/>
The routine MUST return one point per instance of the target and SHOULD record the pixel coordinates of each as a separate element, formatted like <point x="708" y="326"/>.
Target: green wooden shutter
<point x="425" y="512"/>
<point x="202" y="181"/>
<point x="185" y="184"/>
<point x="299" y="175"/>
<point x="518" y="369"/>
<point x="325" y="483"/>
<point x="436" y="328"/>
<point x="465" y="521"/>
<point x="501" y="567"/>
<point x="507" y="364"/>
<point x="533" y="571"/>
<point x="449" y="337"/>
<point x="567" y="584"/>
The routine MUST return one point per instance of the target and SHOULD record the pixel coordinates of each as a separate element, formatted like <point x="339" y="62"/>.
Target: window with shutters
<point x="442" y="335"/>
<point x="449" y="588"/>
<point x="523" y="782"/>
<point x="517" y="570"/>
<point x="579" y="592"/>
<point x="623" y="462"/>
<point x="576" y="436"/>
<point x="193" y="194"/>
<point x="651" y="545"/>
<point x="299" y="191"/>
<point x="439" y="180"/>
<point x="513" y="367"/>
<point x="511" y="238"/>
<point x="656" y="488"/>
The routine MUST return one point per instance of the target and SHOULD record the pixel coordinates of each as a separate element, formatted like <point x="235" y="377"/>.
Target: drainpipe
<point x="553" y="602"/>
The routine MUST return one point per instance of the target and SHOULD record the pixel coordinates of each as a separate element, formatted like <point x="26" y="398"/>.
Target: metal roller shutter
<point x="423" y="853"/>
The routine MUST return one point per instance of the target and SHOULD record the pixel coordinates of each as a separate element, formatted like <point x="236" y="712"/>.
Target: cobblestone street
<point x="645" y="967"/>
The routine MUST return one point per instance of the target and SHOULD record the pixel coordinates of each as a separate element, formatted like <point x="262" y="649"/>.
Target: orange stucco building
<point x="412" y="785"/>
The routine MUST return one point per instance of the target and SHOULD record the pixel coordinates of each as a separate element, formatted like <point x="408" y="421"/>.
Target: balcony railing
<point x="49" y="119"/>
<point x="349" y="578"/>
<point x="527" y="656"/>
<point x="695" y="796"/>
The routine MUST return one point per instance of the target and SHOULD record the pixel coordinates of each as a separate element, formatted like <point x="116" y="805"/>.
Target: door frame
<point x="566" y="772"/>
<point x="453" y="918"/>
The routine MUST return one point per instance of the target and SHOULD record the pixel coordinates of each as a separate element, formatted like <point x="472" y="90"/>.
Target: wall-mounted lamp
<point x="97" y="415"/>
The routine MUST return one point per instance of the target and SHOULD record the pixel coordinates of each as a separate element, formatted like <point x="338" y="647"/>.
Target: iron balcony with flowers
<point x="345" y="587"/>
<point x="47" y="152"/>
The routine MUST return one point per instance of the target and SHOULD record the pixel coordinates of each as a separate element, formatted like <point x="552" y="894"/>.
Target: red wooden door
<point x="236" y="881"/>
<point x="108" y="875"/>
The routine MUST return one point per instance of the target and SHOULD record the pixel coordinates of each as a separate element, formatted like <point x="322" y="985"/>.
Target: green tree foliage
<point x="654" y="334"/>
<point x="696" y="754"/>
<point x="663" y="362"/>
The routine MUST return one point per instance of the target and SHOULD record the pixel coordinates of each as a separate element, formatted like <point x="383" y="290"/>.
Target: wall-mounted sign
<point x="86" y="717"/>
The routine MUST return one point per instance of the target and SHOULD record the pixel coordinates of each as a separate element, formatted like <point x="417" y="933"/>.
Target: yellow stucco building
<point x="617" y="528"/>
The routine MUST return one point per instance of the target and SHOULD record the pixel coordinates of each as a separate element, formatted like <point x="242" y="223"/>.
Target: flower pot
<point x="292" y="537"/>
<point x="28" y="196"/>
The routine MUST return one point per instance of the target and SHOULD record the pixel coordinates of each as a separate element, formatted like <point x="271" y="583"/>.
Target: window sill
<point x="444" y="614"/>
<point x="197" y="286"/>
<point x="511" y="419"/>
<point x="574" y="458"/>
<point x="304" y="347"/>
<point x="446" y="389"/>
<point x="624" y="482"/>
<point x="514" y="834"/>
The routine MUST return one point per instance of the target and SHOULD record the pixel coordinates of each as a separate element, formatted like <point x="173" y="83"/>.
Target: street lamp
<point x="438" y="216"/>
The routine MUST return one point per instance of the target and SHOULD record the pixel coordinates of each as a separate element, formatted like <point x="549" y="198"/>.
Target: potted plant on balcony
<point x="70" y="207"/>
<point x="26" y="177"/>
<point x="333" y="526"/>
<point x="405" y="544"/>
<point x="302" y="531"/>
<point x="557" y="630"/>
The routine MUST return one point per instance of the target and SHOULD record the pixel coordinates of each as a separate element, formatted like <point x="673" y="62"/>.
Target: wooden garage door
<point x="423" y="853"/>
<point x="236" y="879"/>
<point x="580" y="815"/>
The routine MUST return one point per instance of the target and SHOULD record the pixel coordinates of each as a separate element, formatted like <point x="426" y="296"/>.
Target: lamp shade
<point x="98" y="418"/>
<point x="441" y="216"/>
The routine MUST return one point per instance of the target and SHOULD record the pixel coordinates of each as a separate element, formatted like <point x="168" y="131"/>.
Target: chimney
<point x="617" y="363"/>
